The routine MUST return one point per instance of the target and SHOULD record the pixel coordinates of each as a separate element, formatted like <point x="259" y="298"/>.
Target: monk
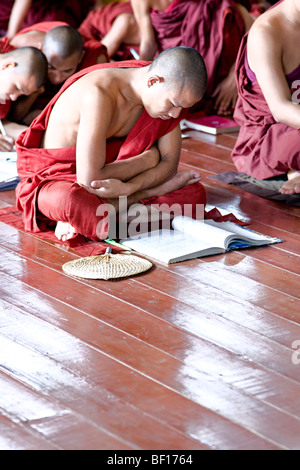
<point x="58" y="37"/>
<point x="213" y="27"/>
<point x="66" y="51"/>
<point x="268" y="108"/>
<point x="111" y="132"/>
<point x="22" y="72"/>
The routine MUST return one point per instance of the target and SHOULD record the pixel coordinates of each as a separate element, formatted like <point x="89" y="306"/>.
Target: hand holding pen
<point x="6" y="142"/>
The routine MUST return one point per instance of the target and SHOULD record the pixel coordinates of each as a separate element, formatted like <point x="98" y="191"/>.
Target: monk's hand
<point x="6" y="143"/>
<point x="110" y="188"/>
<point x="225" y="96"/>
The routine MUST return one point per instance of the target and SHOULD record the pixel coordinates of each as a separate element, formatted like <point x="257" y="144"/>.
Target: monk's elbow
<point x="277" y="116"/>
<point x="284" y="113"/>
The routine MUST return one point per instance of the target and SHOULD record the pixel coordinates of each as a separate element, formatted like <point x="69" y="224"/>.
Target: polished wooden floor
<point x="203" y="354"/>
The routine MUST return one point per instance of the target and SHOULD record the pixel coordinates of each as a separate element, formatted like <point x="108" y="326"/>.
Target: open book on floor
<point x="8" y="171"/>
<point x="194" y="239"/>
<point x="210" y="124"/>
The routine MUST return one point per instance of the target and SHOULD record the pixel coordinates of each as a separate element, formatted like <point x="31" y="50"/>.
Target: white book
<point x="8" y="170"/>
<point x="190" y="238"/>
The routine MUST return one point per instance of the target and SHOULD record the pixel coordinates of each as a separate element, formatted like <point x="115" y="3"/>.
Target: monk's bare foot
<point x="292" y="185"/>
<point x="181" y="179"/>
<point x="64" y="231"/>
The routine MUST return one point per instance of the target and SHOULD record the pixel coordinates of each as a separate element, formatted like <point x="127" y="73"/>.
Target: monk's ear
<point x="153" y="80"/>
<point x="8" y="63"/>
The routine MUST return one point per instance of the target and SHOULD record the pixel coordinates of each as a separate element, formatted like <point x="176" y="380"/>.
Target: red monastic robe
<point x="264" y="148"/>
<point x="98" y="23"/>
<point x="40" y="169"/>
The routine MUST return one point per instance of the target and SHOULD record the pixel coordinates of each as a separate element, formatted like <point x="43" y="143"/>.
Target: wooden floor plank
<point x="68" y="387"/>
<point x="197" y="355"/>
<point x="186" y="307"/>
<point x="105" y="374"/>
<point x="210" y="393"/>
<point x="153" y="331"/>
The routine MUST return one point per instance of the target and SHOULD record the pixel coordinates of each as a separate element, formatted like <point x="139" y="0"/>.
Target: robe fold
<point x="37" y="167"/>
<point x="213" y="27"/>
<point x="264" y="148"/>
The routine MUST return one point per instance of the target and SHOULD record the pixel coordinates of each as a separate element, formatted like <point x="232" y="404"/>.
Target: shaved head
<point x="183" y="66"/>
<point x="29" y="62"/>
<point x="64" y="41"/>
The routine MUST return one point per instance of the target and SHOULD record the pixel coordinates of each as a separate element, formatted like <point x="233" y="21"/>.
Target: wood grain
<point x="198" y="355"/>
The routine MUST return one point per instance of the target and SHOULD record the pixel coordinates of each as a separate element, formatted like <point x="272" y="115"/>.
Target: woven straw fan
<point x="107" y="266"/>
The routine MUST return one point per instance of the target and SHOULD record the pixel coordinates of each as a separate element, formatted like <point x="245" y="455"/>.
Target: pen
<point x="135" y="54"/>
<point x="2" y="130"/>
<point x="113" y="242"/>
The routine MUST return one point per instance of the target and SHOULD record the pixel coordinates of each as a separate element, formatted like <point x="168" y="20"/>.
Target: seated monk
<point x="213" y="27"/>
<point x="268" y="108"/>
<point x="22" y="72"/>
<point x="115" y="26"/>
<point x="112" y="131"/>
<point x="66" y="53"/>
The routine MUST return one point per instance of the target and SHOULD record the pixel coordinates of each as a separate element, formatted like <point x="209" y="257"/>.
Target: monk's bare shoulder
<point x="264" y="39"/>
<point x="83" y="101"/>
<point x="89" y="91"/>
<point x="31" y="38"/>
<point x="92" y="101"/>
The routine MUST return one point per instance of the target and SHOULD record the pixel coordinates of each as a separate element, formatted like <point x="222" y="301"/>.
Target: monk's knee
<point x="87" y="213"/>
<point x="67" y="201"/>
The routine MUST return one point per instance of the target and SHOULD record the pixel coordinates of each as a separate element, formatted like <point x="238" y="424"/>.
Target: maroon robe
<point x="264" y="148"/>
<point x="212" y="27"/>
<point x="52" y="172"/>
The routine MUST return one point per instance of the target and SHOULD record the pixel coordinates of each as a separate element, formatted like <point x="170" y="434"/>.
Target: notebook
<point x="8" y="171"/>
<point x="190" y="238"/>
<point x="210" y="124"/>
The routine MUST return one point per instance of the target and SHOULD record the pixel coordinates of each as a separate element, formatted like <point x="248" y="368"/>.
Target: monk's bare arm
<point x="92" y="134"/>
<point x="18" y="14"/>
<point x="265" y="59"/>
<point x="148" y="46"/>
<point x="169" y="147"/>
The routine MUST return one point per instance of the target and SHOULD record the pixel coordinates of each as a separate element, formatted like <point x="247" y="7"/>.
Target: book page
<point x="202" y="230"/>
<point x="194" y="238"/>
<point x="169" y="246"/>
<point x="243" y="233"/>
<point x="8" y="165"/>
